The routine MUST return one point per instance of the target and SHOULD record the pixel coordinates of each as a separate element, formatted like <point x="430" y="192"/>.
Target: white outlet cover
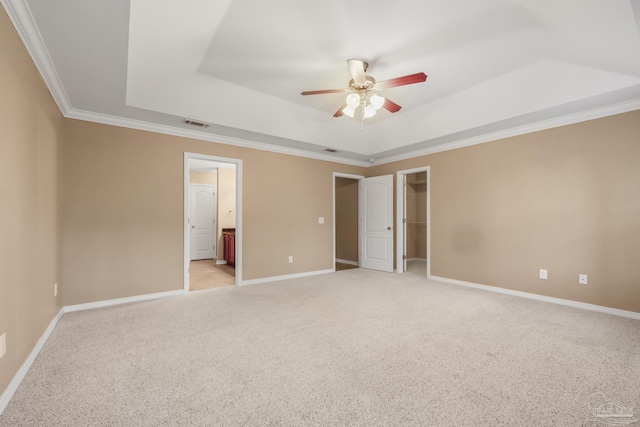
<point x="543" y="273"/>
<point x="321" y="220"/>
<point x="582" y="279"/>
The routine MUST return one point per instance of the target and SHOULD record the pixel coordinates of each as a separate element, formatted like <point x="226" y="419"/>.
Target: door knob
<point x="389" y="228"/>
<point x="193" y="226"/>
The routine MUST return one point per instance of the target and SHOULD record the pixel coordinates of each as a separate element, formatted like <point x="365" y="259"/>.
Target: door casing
<point x="186" y="226"/>
<point x="350" y="176"/>
<point x="400" y="215"/>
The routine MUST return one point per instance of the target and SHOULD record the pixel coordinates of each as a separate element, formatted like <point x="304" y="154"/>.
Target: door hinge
<point x="404" y="257"/>
<point x="404" y="220"/>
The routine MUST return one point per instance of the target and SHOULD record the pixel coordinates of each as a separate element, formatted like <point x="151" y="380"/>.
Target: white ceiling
<point x="496" y="68"/>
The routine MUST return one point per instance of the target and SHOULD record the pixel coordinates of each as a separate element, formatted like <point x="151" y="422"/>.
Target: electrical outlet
<point x="3" y="345"/>
<point x="55" y="290"/>
<point x="290" y="259"/>
<point x="543" y="274"/>
<point x="582" y="279"/>
<point x="321" y="220"/>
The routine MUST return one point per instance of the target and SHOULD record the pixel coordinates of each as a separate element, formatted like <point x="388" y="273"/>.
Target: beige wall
<point x="226" y="205"/>
<point x="31" y="135"/>
<point x="564" y="199"/>
<point x="347" y="219"/>
<point x="124" y="225"/>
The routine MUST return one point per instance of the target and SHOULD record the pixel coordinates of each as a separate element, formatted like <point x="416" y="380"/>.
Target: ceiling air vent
<point x="330" y="150"/>
<point x="194" y="123"/>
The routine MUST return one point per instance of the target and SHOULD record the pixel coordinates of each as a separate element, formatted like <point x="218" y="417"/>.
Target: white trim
<point x="221" y="261"/>
<point x="543" y="298"/>
<point x="333" y="199"/>
<point x="345" y="261"/>
<point x="400" y="214"/>
<point x="286" y="277"/>
<point x="416" y="259"/>
<point x="569" y="119"/>
<point x="596" y="113"/>
<point x="119" y="301"/>
<point x="205" y="136"/>
<point x="187" y="233"/>
<point x="19" y="376"/>
<point x="25" y="25"/>
<point x="22" y="19"/>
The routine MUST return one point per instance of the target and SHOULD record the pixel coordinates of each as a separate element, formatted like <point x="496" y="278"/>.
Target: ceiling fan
<point x="362" y="91"/>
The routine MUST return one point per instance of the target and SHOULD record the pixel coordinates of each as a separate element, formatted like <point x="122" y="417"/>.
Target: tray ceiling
<point x="495" y="68"/>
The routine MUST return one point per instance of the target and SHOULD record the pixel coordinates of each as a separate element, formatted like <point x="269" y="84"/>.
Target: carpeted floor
<point x="352" y="348"/>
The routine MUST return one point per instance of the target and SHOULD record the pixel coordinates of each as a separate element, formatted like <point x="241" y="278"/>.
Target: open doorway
<point x="345" y="221"/>
<point x="413" y="206"/>
<point x="212" y="206"/>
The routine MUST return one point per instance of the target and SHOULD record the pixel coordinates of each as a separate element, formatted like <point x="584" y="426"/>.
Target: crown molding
<point x="569" y="119"/>
<point x="22" y="19"/>
<point x="220" y="139"/>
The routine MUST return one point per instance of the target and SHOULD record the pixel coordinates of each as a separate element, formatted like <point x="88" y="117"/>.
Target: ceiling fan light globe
<point x="349" y="111"/>
<point x="353" y="100"/>
<point x="376" y="101"/>
<point x="369" y="112"/>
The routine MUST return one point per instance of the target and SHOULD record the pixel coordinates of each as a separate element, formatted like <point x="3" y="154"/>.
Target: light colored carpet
<point x="356" y="348"/>
<point x="417" y="267"/>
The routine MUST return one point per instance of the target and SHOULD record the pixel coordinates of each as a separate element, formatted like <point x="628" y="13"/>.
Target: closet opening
<point x="413" y="222"/>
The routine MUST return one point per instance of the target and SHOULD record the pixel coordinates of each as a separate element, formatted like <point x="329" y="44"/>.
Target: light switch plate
<point x="321" y="220"/>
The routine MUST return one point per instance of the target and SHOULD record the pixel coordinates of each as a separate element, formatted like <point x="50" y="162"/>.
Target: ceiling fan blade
<point x="402" y="81"/>
<point x="339" y="112"/>
<point x="357" y="69"/>
<point x="391" y="106"/>
<point x="322" y="92"/>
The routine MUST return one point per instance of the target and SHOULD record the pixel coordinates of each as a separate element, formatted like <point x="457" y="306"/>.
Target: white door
<point x="375" y="200"/>
<point x="202" y="220"/>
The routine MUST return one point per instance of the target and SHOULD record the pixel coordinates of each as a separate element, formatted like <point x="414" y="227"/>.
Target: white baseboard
<point x="19" y="376"/>
<point x="118" y="301"/>
<point x="221" y="261"/>
<point x="544" y="298"/>
<point x="345" y="261"/>
<point x="285" y="277"/>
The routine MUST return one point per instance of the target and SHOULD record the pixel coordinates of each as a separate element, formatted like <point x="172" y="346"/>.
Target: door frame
<point x="350" y="176"/>
<point x="400" y="214"/>
<point x="215" y="217"/>
<point x="186" y="228"/>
